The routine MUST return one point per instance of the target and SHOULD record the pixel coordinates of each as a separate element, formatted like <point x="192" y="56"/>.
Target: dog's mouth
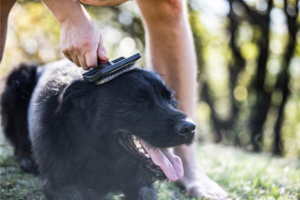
<point x="160" y="161"/>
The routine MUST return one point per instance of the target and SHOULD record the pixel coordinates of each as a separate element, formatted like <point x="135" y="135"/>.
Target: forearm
<point x="67" y="11"/>
<point x="5" y="8"/>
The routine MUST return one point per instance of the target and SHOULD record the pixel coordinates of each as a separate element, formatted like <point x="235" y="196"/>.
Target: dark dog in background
<point x="14" y="104"/>
<point x="87" y="139"/>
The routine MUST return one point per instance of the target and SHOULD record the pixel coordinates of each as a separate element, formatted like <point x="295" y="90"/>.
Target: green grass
<point x="14" y="184"/>
<point x="243" y="175"/>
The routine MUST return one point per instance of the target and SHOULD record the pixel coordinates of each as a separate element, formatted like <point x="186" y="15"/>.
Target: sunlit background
<point x="248" y="63"/>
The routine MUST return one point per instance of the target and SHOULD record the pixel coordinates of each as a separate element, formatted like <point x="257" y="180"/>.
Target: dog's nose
<point x="185" y="128"/>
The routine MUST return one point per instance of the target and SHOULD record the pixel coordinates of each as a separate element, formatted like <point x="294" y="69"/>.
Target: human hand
<point x="103" y="2"/>
<point x="82" y="42"/>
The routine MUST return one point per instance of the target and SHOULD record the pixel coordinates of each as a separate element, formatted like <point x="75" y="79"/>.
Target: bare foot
<point x="199" y="185"/>
<point x="195" y="181"/>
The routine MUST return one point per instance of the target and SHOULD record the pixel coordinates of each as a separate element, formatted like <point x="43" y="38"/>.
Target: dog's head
<point x="134" y="114"/>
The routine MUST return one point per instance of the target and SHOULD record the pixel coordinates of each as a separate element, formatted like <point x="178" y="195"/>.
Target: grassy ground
<point x="243" y="175"/>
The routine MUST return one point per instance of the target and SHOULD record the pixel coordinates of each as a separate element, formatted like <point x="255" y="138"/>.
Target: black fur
<point x="74" y="127"/>
<point x="14" y="104"/>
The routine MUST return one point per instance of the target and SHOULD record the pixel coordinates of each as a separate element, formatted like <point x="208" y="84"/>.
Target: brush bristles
<point x="113" y="76"/>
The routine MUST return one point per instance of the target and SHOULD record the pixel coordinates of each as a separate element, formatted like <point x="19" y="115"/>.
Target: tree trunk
<point x="283" y="79"/>
<point x="263" y="98"/>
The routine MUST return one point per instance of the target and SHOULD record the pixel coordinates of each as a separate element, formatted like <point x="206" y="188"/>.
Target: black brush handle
<point x="101" y="65"/>
<point x="109" y="67"/>
<point x="104" y="64"/>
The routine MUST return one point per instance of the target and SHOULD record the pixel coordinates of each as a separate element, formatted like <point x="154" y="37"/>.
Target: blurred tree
<point x="259" y="20"/>
<point x="236" y="66"/>
<point x="291" y="11"/>
<point x="263" y="96"/>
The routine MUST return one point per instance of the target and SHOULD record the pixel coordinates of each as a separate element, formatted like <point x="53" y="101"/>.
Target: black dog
<point x="87" y="139"/>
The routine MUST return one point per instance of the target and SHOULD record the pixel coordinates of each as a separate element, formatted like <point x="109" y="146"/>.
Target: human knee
<point x="175" y="6"/>
<point x="162" y="11"/>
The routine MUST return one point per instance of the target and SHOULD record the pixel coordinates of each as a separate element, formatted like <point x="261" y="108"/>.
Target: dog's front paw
<point x="144" y="193"/>
<point x="28" y="164"/>
<point x="148" y="193"/>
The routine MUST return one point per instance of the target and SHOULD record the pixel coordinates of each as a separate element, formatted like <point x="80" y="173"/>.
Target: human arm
<point x="5" y="7"/>
<point x="81" y="40"/>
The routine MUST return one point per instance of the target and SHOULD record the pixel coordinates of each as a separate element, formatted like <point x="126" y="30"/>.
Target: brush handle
<point x="103" y="64"/>
<point x="106" y="68"/>
<point x="106" y="63"/>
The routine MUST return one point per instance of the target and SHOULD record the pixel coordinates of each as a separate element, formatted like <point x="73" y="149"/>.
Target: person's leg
<point x="171" y="53"/>
<point x="5" y="7"/>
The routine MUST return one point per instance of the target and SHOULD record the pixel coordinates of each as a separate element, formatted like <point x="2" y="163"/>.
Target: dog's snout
<point x="185" y="128"/>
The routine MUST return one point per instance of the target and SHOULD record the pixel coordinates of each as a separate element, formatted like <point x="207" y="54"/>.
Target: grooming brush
<point x="108" y="70"/>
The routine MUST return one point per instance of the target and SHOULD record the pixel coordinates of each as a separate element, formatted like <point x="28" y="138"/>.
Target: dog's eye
<point x="168" y="94"/>
<point x="141" y="99"/>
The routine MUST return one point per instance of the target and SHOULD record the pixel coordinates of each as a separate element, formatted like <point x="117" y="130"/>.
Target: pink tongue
<point x="166" y="160"/>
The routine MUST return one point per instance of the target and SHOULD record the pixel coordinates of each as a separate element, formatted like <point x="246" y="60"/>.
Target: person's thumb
<point x="101" y="51"/>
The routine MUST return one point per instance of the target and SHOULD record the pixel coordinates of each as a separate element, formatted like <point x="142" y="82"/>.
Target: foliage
<point x="249" y="52"/>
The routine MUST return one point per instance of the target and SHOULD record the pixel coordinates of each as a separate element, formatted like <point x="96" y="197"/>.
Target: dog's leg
<point x="147" y="193"/>
<point x="69" y="192"/>
<point x="143" y="193"/>
<point x="14" y="102"/>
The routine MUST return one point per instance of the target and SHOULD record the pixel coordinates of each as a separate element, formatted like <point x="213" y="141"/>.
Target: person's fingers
<point x="82" y="61"/>
<point x="75" y="59"/>
<point x="67" y="55"/>
<point x="66" y="52"/>
<point x="91" y="57"/>
<point x="102" y="51"/>
<point x="78" y="55"/>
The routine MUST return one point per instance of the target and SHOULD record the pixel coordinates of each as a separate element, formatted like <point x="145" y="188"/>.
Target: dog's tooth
<point x="137" y="144"/>
<point x="147" y="155"/>
<point x="134" y="137"/>
<point x="142" y="150"/>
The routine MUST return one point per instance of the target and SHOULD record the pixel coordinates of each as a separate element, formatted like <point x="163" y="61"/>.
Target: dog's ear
<point x="75" y="96"/>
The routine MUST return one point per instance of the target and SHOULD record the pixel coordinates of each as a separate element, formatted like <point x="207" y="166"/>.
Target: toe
<point x="215" y="194"/>
<point x="196" y="192"/>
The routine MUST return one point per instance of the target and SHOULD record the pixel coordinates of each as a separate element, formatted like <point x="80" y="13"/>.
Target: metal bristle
<point x="113" y="76"/>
